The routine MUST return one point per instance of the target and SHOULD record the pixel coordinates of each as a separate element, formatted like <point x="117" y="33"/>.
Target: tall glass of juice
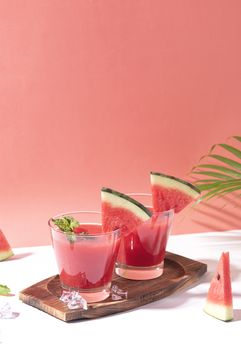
<point x="85" y="255"/>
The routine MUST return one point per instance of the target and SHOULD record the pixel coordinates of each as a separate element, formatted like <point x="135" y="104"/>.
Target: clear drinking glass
<point x="142" y="251"/>
<point x="86" y="261"/>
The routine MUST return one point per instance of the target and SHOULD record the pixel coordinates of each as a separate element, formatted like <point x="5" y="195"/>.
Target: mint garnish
<point x="66" y="223"/>
<point x="4" y="290"/>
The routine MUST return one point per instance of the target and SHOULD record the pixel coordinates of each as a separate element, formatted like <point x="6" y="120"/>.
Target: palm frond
<point x="219" y="174"/>
<point x="219" y="168"/>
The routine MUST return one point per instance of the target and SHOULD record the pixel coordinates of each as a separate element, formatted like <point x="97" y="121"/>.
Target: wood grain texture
<point x="179" y="273"/>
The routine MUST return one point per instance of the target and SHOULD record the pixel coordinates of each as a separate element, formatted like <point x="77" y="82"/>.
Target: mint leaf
<point x="66" y="223"/>
<point x="4" y="290"/>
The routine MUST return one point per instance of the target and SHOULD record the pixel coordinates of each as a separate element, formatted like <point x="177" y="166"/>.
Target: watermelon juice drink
<point x="142" y="251"/>
<point x="85" y="256"/>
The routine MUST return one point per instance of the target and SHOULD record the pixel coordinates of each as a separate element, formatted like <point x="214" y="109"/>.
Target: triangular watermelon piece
<point x="5" y="249"/>
<point x="219" y="301"/>
<point x="121" y="211"/>
<point x="169" y="192"/>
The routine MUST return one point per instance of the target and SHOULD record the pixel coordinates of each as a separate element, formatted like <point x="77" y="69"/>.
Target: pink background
<point x="98" y="93"/>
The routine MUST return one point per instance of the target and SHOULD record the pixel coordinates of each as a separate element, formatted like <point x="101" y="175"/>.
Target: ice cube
<point x="73" y="300"/>
<point x="118" y="292"/>
<point x="65" y="296"/>
<point x="6" y="311"/>
<point x="115" y="297"/>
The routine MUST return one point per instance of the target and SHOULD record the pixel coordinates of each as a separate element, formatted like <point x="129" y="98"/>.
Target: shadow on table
<point x="19" y="256"/>
<point x="237" y="315"/>
<point x="179" y="299"/>
<point x="186" y="295"/>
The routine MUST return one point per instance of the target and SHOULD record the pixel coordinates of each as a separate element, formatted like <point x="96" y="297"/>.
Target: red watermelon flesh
<point x="169" y="198"/>
<point x="121" y="211"/>
<point x="219" y="301"/>
<point x="169" y="192"/>
<point x="5" y="249"/>
<point x="116" y="217"/>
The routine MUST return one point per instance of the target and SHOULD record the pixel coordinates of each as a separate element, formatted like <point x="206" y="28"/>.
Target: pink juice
<point x="146" y="245"/>
<point x="88" y="262"/>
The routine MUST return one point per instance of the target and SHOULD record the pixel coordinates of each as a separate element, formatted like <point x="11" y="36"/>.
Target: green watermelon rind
<point x="175" y="182"/>
<point x="6" y="254"/>
<point x="125" y="202"/>
<point x="221" y="312"/>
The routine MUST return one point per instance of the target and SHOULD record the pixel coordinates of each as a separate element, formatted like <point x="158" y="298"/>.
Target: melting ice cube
<point x="118" y="293"/>
<point x="73" y="300"/>
<point x="6" y="311"/>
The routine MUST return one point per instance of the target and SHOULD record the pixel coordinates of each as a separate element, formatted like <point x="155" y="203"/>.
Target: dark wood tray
<point x="179" y="274"/>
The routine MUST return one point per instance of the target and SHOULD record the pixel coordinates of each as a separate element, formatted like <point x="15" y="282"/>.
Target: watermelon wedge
<point x="121" y="211"/>
<point x="219" y="302"/>
<point x="169" y="192"/>
<point x="5" y="249"/>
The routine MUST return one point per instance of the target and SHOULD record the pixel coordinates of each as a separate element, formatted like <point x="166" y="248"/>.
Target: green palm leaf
<point x="219" y="168"/>
<point x="215" y="180"/>
<point x="213" y="174"/>
<point x="219" y="185"/>
<point x="220" y="193"/>
<point x="231" y="149"/>
<point x="227" y="161"/>
<point x="237" y="138"/>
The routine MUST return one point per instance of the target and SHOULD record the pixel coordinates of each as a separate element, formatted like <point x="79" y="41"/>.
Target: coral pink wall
<point x="100" y="92"/>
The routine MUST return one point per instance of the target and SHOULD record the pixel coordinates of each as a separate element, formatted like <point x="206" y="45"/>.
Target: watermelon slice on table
<point x="121" y="211"/>
<point x="5" y="249"/>
<point x="219" y="302"/>
<point x="169" y="192"/>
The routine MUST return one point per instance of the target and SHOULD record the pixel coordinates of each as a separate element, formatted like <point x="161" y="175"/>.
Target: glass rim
<point x="52" y="226"/>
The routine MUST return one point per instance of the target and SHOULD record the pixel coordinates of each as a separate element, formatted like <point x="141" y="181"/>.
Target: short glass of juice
<point x="85" y="255"/>
<point x="142" y="250"/>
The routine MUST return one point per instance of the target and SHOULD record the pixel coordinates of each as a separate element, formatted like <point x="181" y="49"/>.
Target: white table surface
<point x="176" y="321"/>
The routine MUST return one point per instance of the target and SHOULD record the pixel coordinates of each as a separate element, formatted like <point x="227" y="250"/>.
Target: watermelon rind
<point x="170" y="181"/>
<point x="221" y="312"/>
<point x="6" y="254"/>
<point x="121" y="200"/>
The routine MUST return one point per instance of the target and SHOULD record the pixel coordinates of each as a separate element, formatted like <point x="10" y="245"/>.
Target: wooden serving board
<point x="179" y="274"/>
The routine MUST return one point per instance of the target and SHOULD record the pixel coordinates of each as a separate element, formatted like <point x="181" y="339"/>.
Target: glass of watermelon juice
<point x="85" y="259"/>
<point x="142" y="251"/>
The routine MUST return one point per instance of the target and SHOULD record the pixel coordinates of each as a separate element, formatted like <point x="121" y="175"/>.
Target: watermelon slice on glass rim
<point x="121" y="211"/>
<point x="219" y="302"/>
<point x="5" y="248"/>
<point x="169" y="192"/>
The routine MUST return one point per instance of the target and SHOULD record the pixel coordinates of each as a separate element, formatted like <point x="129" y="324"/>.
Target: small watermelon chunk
<point x="169" y="192"/>
<point x="5" y="249"/>
<point x="219" y="302"/>
<point x="121" y="211"/>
